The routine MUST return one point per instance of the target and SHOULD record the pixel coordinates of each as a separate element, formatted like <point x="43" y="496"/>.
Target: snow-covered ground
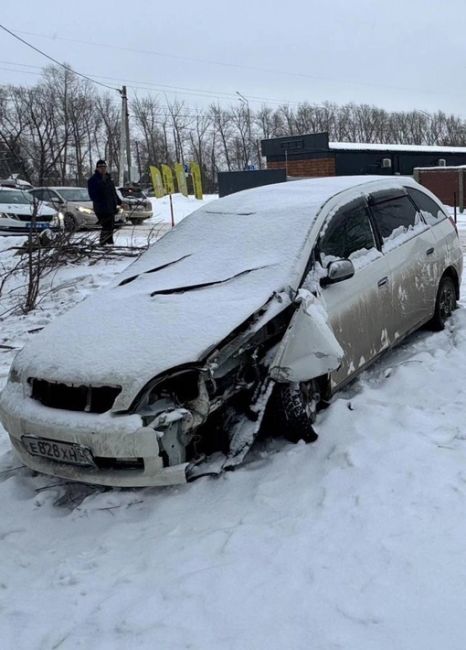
<point x="357" y="542"/>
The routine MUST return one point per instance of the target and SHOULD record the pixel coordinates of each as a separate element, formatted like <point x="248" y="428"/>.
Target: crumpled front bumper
<point x="107" y="435"/>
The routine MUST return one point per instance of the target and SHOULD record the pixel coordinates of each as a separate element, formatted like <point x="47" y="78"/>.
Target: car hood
<point x="26" y="209"/>
<point x="83" y="204"/>
<point x="127" y="335"/>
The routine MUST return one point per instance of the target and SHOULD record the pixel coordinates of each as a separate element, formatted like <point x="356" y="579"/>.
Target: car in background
<point x="135" y="205"/>
<point x="15" y="182"/>
<point x="251" y="313"/>
<point x="19" y="213"/>
<point x="73" y="202"/>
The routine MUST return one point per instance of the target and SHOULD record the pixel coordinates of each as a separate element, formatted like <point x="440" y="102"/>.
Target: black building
<point x="313" y="155"/>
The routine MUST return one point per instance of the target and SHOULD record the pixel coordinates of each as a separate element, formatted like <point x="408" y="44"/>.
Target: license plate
<point x="39" y="225"/>
<point x="62" y="452"/>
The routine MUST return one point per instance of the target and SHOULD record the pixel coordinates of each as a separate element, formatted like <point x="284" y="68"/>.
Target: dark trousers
<point x="107" y="221"/>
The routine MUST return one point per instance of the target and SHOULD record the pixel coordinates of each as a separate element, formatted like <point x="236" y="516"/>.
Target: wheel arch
<point x="452" y="273"/>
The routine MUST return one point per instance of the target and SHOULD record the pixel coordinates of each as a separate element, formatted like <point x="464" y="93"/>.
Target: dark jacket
<point x="103" y="194"/>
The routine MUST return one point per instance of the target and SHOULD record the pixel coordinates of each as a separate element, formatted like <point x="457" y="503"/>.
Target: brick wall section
<point x="444" y="183"/>
<point x="306" y="168"/>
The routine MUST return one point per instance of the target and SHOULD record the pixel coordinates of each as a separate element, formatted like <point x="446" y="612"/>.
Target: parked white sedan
<point x="19" y="214"/>
<point x="263" y="302"/>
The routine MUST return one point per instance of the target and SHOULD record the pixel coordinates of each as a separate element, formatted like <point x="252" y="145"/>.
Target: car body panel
<point x="414" y="281"/>
<point x="309" y="347"/>
<point x="358" y="305"/>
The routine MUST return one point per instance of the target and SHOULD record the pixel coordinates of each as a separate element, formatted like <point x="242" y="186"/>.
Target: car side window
<point x="394" y="217"/>
<point x="349" y="231"/>
<point x="431" y="212"/>
<point x="39" y="194"/>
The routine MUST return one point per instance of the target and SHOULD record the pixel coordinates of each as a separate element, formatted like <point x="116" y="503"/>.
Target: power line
<point x="292" y="73"/>
<point x="47" y="56"/>
<point x="172" y="89"/>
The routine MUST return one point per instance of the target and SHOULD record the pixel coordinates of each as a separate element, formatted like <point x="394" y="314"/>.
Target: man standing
<point x="105" y="201"/>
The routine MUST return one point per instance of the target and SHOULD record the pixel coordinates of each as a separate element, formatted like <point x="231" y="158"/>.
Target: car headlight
<point x="85" y="210"/>
<point x="181" y="386"/>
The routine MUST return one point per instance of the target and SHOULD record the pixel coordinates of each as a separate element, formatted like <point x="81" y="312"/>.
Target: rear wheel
<point x="445" y="303"/>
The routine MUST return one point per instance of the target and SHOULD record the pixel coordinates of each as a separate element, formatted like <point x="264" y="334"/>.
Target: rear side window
<point x="429" y="209"/>
<point x="394" y="217"/>
<point x="349" y="231"/>
<point x="40" y="194"/>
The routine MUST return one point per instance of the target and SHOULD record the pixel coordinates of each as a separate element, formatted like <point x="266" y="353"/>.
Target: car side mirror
<point x="337" y="271"/>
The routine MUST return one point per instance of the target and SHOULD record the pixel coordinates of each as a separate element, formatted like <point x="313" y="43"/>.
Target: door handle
<point x="429" y="251"/>
<point x="382" y="281"/>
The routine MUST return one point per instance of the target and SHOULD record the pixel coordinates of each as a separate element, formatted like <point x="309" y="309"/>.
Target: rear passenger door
<point x="356" y="307"/>
<point x="409" y="247"/>
<point x="445" y="237"/>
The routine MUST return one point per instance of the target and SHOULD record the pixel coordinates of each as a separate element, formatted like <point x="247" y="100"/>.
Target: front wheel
<point x="445" y="303"/>
<point x="70" y="223"/>
<point x="294" y="409"/>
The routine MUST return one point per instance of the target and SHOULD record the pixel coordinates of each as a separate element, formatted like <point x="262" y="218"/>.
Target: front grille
<point x="27" y="217"/>
<point x="89" y="399"/>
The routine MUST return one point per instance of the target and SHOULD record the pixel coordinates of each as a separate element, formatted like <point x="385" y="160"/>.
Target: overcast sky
<point x="397" y="54"/>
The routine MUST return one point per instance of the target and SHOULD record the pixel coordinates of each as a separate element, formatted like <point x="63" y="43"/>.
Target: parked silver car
<point x="18" y="214"/>
<point x="135" y="206"/>
<point x="252" y="312"/>
<point x="74" y="202"/>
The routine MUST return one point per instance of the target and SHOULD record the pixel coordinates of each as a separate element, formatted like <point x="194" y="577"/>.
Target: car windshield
<point x="74" y="193"/>
<point x="15" y="196"/>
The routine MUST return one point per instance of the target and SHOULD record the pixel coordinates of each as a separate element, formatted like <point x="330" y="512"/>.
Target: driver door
<point x="358" y="306"/>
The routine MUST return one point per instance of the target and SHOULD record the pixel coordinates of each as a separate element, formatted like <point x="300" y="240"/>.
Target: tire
<point x="70" y="223"/>
<point x="294" y="410"/>
<point x="445" y="303"/>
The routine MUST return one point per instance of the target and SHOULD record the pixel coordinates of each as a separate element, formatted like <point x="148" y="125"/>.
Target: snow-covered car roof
<point x="192" y="288"/>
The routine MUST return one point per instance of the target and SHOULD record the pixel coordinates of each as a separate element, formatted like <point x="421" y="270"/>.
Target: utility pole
<point x="125" y="145"/>
<point x="123" y="133"/>
<point x="128" y="142"/>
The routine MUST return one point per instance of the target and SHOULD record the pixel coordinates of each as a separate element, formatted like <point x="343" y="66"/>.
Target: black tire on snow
<point x="445" y="303"/>
<point x="295" y="415"/>
<point x="70" y="223"/>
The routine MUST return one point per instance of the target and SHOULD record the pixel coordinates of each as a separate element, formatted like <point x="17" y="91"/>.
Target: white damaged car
<point x="263" y="302"/>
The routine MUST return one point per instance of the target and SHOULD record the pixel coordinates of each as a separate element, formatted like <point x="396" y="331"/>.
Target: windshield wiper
<point x="157" y="268"/>
<point x="194" y="287"/>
